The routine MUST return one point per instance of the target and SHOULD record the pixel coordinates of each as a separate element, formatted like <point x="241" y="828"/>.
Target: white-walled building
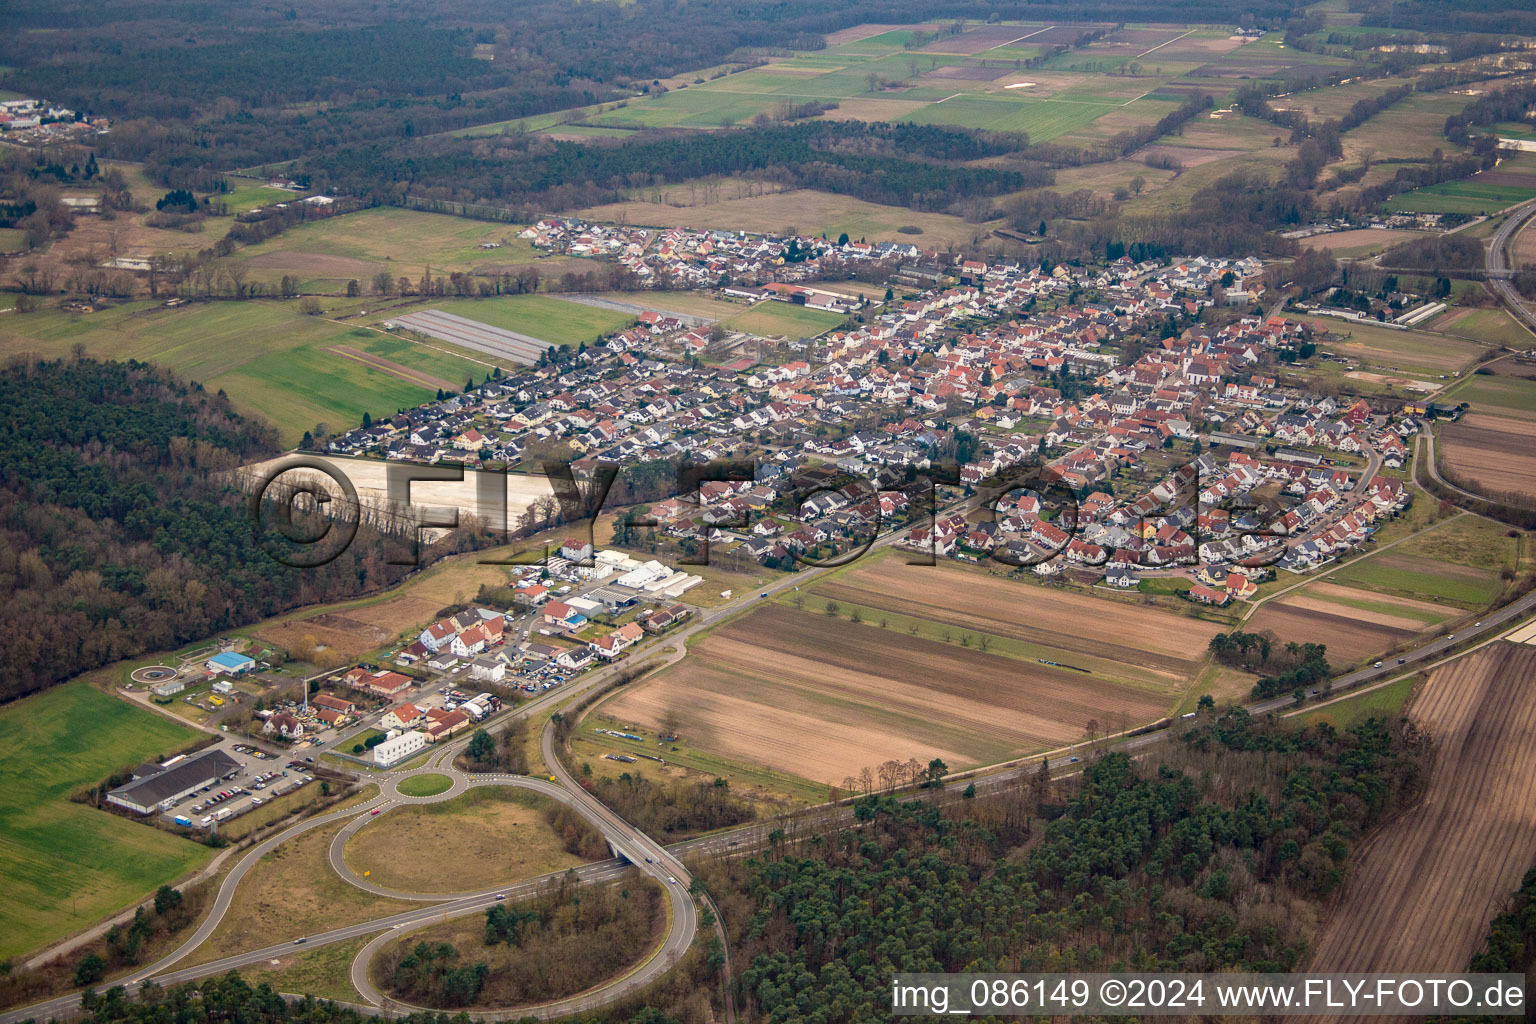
<point x="397" y="748"/>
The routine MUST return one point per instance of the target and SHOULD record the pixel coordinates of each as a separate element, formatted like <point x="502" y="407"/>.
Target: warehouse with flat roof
<point x="156" y="787"/>
<point x="230" y="663"/>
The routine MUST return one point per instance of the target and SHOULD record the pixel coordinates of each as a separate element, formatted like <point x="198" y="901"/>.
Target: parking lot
<point x="261" y="777"/>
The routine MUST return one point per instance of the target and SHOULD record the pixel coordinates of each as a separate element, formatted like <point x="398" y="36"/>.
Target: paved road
<point x="1499" y="267"/>
<point x="1427" y="438"/>
<point x="630" y="843"/>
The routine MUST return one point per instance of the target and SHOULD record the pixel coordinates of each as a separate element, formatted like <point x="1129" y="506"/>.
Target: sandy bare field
<point x="803" y="209"/>
<point x="1187" y="156"/>
<point x="1348" y="636"/>
<point x="1375" y="618"/>
<point x="314" y="264"/>
<point x="1407" y="383"/>
<point x="871" y="108"/>
<point x="1376" y="238"/>
<point x="1356" y="593"/>
<point x="1153" y="640"/>
<point x="822" y="698"/>
<point x="1497" y="452"/>
<point x="1429" y="882"/>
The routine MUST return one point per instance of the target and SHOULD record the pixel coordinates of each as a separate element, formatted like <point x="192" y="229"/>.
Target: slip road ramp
<point x="474" y="335"/>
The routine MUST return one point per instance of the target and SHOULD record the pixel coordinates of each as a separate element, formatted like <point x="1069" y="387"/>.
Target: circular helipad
<point x="153" y="674"/>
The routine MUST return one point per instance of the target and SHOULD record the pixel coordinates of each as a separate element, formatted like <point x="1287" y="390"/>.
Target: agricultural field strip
<point x="826" y="708"/>
<point x="472" y="334"/>
<point x="1428" y="883"/>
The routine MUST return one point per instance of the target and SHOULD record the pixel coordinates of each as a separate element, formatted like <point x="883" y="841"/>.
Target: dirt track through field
<point x="822" y="697"/>
<point x="405" y="373"/>
<point x="1427" y="884"/>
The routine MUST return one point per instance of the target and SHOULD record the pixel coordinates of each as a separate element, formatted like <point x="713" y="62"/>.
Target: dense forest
<point x="1490" y="16"/>
<point x="1217" y="858"/>
<point x="232" y="999"/>
<point x="554" y="945"/>
<point x="900" y="165"/>
<point x="119" y="533"/>
<point x="195" y="88"/>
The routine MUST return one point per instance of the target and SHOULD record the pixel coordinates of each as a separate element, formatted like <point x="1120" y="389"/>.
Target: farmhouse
<point x="156" y="787"/>
<point x="284" y="725"/>
<point x="382" y="683"/>
<point x="402" y="716"/>
<point x="337" y="704"/>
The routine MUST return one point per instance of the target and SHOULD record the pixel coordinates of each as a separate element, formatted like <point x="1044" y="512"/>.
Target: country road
<point x="1427" y="443"/>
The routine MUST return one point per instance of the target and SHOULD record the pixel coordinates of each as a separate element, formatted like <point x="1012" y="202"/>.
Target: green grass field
<point x="1515" y="129"/>
<point x="12" y="239"/>
<point x="425" y="785"/>
<point x="324" y="972"/>
<point x="1385" y="702"/>
<point x="784" y="318"/>
<point x="905" y="88"/>
<point x="272" y="360"/>
<point x="1424" y="615"/>
<point x="1418" y="577"/>
<point x="1466" y="196"/>
<point x="1491" y="326"/>
<point x="1502" y="396"/>
<point x="1468" y="540"/>
<point x="246" y="194"/>
<point x="65" y="864"/>
<point x="402" y="241"/>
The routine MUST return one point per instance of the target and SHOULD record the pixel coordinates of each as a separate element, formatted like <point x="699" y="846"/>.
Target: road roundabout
<point x="632" y="850"/>
<point x="626" y="842"/>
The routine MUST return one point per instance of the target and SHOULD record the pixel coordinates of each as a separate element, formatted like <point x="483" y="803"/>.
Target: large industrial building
<point x="156" y="787"/>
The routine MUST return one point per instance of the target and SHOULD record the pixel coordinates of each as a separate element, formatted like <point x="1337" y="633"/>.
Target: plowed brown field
<point x="1151" y="640"/>
<point x="1497" y="452"/>
<point x="822" y="698"/>
<point x="1348" y="633"/>
<point x="1429" y="882"/>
